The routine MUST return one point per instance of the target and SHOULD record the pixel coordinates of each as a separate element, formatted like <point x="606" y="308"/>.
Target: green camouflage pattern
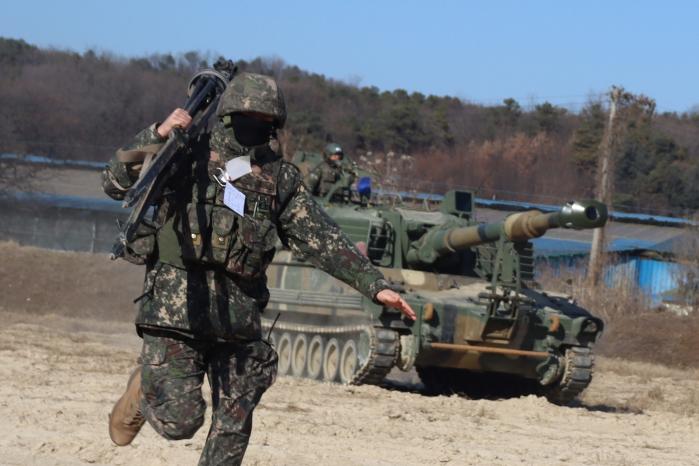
<point x="212" y="302"/>
<point x="323" y="177"/>
<point x="249" y="92"/>
<point x="202" y="302"/>
<point x="223" y="142"/>
<point x="118" y="177"/>
<point x="206" y="283"/>
<point x="472" y="287"/>
<point x="309" y="232"/>
<point x="173" y="372"/>
<point x="206" y="301"/>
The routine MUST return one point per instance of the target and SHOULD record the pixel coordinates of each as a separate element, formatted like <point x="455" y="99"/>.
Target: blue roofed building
<point x="649" y="251"/>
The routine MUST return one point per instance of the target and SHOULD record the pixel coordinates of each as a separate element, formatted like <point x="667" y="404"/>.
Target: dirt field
<point x="66" y="348"/>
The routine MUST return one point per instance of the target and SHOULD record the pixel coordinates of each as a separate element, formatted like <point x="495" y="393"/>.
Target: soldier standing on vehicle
<point x="205" y="284"/>
<point x="333" y="169"/>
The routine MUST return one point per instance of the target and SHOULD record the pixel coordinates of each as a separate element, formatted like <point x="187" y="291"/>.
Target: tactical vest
<point x="202" y="230"/>
<point x="329" y="175"/>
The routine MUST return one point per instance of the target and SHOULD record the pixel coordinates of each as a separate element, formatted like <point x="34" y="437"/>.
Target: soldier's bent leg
<point x="126" y="418"/>
<point x="238" y="374"/>
<point x="173" y="372"/>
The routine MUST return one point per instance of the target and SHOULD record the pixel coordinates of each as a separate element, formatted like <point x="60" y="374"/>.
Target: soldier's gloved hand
<point x="390" y="298"/>
<point x="179" y="117"/>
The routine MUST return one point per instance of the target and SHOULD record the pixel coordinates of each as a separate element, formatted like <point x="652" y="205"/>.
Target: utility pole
<point x="604" y="189"/>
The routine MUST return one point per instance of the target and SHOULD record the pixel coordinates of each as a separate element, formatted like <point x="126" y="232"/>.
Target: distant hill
<point x="83" y="106"/>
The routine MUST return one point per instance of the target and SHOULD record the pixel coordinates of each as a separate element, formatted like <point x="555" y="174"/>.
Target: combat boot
<point x="126" y="418"/>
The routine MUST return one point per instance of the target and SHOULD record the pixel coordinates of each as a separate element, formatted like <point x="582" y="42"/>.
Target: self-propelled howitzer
<point x="482" y="321"/>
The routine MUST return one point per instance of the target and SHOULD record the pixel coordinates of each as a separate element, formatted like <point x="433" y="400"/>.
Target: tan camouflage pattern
<point x="249" y="92"/>
<point x="172" y="376"/>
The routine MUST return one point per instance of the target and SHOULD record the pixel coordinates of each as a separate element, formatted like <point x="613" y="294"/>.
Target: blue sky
<point x="482" y="51"/>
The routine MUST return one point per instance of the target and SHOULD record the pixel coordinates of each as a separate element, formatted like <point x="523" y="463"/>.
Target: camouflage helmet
<point x="249" y="92"/>
<point x="331" y="149"/>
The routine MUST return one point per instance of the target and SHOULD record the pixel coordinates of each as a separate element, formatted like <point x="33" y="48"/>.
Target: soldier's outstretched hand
<point x="390" y="298"/>
<point x="179" y="117"/>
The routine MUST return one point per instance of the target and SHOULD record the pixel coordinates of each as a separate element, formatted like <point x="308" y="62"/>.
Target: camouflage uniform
<point x="324" y="176"/>
<point x="205" y="285"/>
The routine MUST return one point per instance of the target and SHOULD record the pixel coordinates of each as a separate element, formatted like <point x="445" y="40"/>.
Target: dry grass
<point x="73" y="284"/>
<point x="644" y="370"/>
<point x="633" y="329"/>
<point x="636" y="387"/>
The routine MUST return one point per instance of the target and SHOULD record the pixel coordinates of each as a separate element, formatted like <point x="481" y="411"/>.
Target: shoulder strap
<point x="137" y="155"/>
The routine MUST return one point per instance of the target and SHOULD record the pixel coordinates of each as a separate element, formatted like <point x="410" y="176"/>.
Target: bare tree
<point x="624" y="107"/>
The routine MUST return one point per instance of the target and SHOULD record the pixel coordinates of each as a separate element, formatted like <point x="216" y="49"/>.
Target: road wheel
<point x="314" y="362"/>
<point x="284" y="352"/>
<point x="299" y="355"/>
<point x="348" y="361"/>
<point x="331" y="360"/>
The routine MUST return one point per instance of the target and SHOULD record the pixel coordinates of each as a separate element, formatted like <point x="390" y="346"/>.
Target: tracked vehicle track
<point x="384" y="351"/>
<point x="576" y="377"/>
<point x="375" y="350"/>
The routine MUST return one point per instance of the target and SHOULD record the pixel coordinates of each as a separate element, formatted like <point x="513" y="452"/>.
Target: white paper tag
<point x="234" y="199"/>
<point x="237" y="167"/>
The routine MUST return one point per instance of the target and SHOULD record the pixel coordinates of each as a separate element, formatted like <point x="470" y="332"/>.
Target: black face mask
<point x="251" y="131"/>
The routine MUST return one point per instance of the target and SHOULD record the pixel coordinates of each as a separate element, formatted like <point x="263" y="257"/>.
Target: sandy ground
<point x="67" y="347"/>
<point x="61" y="375"/>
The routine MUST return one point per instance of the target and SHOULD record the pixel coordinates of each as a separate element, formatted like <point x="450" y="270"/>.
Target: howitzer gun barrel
<point x="521" y="226"/>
